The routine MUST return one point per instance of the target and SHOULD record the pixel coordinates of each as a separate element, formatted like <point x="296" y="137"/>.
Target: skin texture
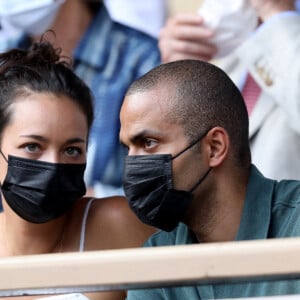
<point x="185" y="37"/>
<point x="51" y="128"/>
<point x="215" y="212"/>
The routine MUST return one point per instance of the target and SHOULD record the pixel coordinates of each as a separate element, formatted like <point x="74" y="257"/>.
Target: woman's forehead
<point x="47" y="112"/>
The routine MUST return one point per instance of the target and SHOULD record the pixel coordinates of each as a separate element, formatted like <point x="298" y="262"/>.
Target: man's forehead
<point x="159" y="97"/>
<point x="145" y="112"/>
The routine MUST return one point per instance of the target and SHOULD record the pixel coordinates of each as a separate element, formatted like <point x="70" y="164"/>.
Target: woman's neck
<point x="19" y="237"/>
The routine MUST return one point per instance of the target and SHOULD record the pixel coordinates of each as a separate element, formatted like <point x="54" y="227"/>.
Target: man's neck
<point x="220" y="218"/>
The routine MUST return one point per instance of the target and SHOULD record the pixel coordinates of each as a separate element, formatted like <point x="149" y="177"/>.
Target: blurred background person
<point x="257" y="43"/>
<point x="109" y="52"/>
<point x="8" y="35"/>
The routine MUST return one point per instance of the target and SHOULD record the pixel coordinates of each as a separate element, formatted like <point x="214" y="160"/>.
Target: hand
<point x="267" y="8"/>
<point x="185" y="37"/>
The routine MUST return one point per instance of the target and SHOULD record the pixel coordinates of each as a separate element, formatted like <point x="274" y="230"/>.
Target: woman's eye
<point x="73" y="151"/>
<point x="32" y="148"/>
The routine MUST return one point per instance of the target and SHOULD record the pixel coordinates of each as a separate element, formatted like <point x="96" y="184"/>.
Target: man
<point x="189" y="172"/>
<point x="265" y="67"/>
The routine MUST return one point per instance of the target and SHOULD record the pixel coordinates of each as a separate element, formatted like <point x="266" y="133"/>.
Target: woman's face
<point x="45" y="127"/>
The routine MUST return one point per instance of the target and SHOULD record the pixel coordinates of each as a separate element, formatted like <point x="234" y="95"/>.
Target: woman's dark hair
<point x="40" y="69"/>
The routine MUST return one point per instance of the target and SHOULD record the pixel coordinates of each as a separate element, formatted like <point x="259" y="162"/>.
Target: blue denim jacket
<point x="109" y="57"/>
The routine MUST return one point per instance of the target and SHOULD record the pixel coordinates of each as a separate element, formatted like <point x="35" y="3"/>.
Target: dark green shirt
<point x="271" y="210"/>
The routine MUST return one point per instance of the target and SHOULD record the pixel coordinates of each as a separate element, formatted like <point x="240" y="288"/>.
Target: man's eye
<point x="149" y="143"/>
<point x="73" y="151"/>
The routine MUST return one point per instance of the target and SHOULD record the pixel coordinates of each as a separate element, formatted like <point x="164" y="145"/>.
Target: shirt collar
<point x="93" y="45"/>
<point x="257" y="208"/>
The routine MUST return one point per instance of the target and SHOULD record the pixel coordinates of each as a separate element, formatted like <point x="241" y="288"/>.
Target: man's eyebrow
<point x="133" y="139"/>
<point x="140" y="135"/>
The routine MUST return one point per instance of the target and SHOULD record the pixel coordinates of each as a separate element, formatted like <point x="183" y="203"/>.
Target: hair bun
<point x="43" y="53"/>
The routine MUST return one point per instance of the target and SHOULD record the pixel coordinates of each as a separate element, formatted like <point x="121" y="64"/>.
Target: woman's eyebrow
<point x="44" y="139"/>
<point x="35" y="136"/>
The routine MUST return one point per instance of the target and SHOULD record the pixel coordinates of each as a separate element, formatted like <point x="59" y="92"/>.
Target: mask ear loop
<point x="200" y="180"/>
<point x="6" y="161"/>
<point x="192" y="144"/>
<point x="3" y="156"/>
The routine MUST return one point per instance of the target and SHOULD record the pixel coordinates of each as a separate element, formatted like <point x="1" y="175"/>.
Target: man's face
<point x="145" y="130"/>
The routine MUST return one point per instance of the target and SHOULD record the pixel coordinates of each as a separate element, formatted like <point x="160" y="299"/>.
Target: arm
<point x="185" y="37"/>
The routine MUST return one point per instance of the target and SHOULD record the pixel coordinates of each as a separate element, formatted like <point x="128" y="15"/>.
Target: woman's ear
<point x="218" y="143"/>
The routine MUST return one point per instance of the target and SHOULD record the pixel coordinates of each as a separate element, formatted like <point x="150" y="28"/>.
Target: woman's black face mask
<point x="148" y="186"/>
<point x="40" y="191"/>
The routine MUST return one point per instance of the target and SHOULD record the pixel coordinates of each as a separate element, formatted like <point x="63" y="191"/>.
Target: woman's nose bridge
<point x="52" y="156"/>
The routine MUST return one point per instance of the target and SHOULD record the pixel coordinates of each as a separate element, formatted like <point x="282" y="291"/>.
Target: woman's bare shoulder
<point x="112" y="224"/>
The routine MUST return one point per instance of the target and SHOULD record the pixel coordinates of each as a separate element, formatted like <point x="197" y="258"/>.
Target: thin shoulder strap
<point x="83" y="225"/>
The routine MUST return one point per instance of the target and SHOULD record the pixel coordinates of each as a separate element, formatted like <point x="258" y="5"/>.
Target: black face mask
<point x="148" y="186"/>
<point x="40" y="191"/>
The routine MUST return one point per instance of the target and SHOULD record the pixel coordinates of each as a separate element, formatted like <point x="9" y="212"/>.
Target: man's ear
<point x="218" y="145"/>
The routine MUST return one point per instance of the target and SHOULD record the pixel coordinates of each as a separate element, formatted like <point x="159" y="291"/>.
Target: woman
<point x="45" y="116"/>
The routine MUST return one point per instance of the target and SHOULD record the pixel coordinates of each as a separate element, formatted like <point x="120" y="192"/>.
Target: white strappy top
<point x="83" y="224"/>
<point x="76" y="296"/>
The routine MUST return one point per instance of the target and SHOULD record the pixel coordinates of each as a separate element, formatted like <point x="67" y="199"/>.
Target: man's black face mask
<point x="148" y="186"/>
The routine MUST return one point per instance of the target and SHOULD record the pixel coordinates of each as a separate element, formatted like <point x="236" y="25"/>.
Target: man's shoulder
<point x="287" y="192"/>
